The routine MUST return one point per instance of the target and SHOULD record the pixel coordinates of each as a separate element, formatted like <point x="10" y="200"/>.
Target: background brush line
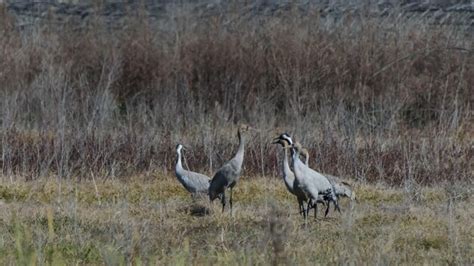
<point x="101" y="99"/>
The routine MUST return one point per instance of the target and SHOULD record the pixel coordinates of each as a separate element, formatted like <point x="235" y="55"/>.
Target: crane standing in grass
<point x="287" y="138"/>
<point x="312" y="182"/>
<point x="289" y="177"/>
<point x="193" y="182"/>
<point x="341" y="188"/>
<point x="229" y="174"/>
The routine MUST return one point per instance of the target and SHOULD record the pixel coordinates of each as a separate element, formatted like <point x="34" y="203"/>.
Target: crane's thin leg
<point x="304" y="213"/>
<point x="301" y="206"/>
<point x="336" y="205"/>
<point x="327" y="209"/>
<point x="223" y="201"/>
<point x="308" y="208"/>
<point x="315" y="209"/>
<point x="230" y="201"/>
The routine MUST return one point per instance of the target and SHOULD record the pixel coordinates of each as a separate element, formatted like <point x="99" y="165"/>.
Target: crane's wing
<point x="199" y="181"/>
<point x="223" y="178"/>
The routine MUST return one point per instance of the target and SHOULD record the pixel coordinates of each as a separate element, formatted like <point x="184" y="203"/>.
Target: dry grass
<point x="152" y="220"/>
<point x="384" y="100"/>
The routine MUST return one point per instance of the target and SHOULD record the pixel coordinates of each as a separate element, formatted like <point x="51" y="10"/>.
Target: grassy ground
<point x="152" y="220"/>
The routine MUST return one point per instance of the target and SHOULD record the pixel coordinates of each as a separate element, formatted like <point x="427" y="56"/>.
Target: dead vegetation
<point x="375" y="98"/>
<point x="90" y="116"/>
<point x="156" y="222"/>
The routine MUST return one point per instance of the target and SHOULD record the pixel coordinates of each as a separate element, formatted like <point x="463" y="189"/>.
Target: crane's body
<point x="312" y="183"/>
<point x="289" y="177"/>
<point x="340" y="188"/>
<point x="191" y="181"/>
<point x="229" y="174"/>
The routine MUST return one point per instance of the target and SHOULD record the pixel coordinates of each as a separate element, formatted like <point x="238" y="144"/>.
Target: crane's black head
<point x="283" y="137"/>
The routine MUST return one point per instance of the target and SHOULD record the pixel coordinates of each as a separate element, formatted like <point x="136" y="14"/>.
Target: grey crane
<point x="312" y="182"/>
<point x="341" y="188"/>
<point x="289" y="177"/>
<point x="287" y="138"/>
<point x="229" y="174"/>
<point x="193" y="182"/>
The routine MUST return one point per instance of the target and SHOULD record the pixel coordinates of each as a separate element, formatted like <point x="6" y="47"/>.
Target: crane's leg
<point x="327" y="209"/>
<point x="315" y="209"/>
<point x="223" y="201"/>
<point x="305" y="214"/>
<point x="335" y="200"/>
<point x="309" y="207"/>
<point x="301" y="206"/>
<point x="336" y="205"/>
<point x="230" y="201"/>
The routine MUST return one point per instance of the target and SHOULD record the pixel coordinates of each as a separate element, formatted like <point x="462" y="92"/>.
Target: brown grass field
<point x="91" y="110"/>
<point x="152" y="220"/>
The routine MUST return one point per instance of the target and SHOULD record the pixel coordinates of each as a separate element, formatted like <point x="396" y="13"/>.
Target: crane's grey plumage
<point x="312" y="182"/>
<point x="289" y="177"/>
<point x="341" y="188"/>
<point x="192" y="181"/>
<point x="229" y="174"/>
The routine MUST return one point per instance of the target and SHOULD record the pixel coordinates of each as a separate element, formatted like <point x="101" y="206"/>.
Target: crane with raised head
<point x="229" y="174"/>
<point x="289" y="177"/>
<point x="312" y="183"/>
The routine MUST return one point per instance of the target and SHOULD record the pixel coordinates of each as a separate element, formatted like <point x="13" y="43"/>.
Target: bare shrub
<point x="360" y="93"/>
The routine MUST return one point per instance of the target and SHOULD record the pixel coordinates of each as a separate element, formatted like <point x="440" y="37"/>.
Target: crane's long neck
<point x="286" y="165"/>
<point x="240" y="152"/>
<point x="293" y="153"/>
<point x="295" y="156"/>
<point x="288" y="175"/>
<point x="179" y="165"/>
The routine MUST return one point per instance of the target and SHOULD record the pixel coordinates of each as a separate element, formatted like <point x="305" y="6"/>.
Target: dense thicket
<point x="377" y="98"/>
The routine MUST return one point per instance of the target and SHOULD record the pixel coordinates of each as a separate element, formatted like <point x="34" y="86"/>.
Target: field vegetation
<point x="152" y="220"/>
<point x="90" y="114"/>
